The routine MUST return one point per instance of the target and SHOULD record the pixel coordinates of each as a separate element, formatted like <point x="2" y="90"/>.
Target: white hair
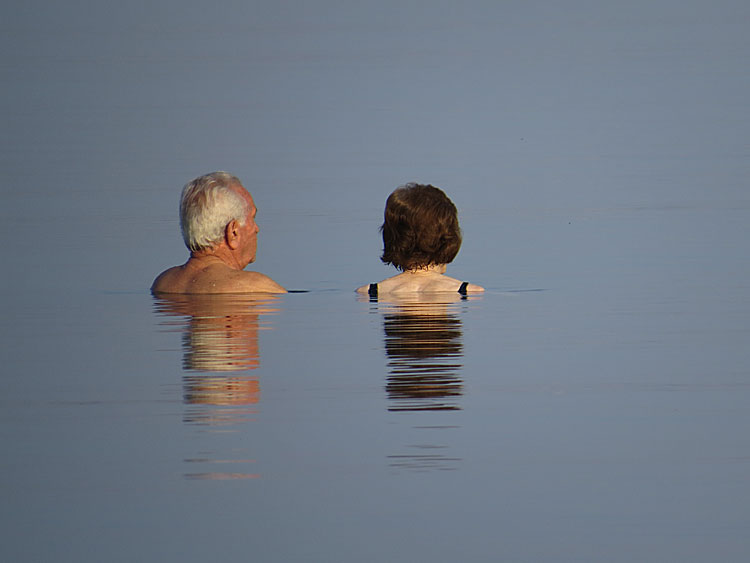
<point x="207" y="205"/>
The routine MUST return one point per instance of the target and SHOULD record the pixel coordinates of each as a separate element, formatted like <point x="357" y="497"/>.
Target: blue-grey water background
<point x="593" y="405"/>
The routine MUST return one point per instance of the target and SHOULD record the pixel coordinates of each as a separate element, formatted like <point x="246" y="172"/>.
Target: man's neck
<point x="217" y="255"/>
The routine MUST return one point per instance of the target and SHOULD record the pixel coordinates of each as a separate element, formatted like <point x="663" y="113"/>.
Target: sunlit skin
<point x="220" y="269"/>
<point x="421" y="280"/>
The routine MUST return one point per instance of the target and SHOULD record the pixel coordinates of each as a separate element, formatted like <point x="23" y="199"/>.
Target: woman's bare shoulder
<point x="472" y="287"/>
<point x="363" y="289"/>
<point x="411" y="284"/>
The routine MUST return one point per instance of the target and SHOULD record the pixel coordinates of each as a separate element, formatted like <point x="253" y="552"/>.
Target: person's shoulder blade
<point x="255" y="281"/>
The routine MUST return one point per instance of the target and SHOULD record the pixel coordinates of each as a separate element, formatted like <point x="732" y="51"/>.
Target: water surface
<point x="592" y="405"/>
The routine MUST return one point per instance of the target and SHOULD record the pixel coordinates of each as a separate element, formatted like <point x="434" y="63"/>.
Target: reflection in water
<point x="206" y="394"/>
<point x="219" y="332"/>
<point x="424" y="348"/>
<point x="423" y="343"/>
<point x="219" y="335"/>
<point x="424" y="457"/>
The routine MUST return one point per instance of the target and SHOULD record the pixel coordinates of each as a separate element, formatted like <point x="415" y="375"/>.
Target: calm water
<point x="592" y="405"/>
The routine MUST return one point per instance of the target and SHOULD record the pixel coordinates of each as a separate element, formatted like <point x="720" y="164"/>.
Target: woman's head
<point x="420" y="228"/>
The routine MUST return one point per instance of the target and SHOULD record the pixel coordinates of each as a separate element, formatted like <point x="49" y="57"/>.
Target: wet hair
<point x="207" y="205"/>
<point x="420" y="228"/>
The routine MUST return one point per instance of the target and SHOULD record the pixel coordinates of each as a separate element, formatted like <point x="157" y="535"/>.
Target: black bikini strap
<point x="462" y="289"/>
<point x="373" y="291"/>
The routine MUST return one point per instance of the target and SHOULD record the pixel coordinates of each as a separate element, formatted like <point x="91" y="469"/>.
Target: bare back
<point x="198" y="278"/>
<point x="411" y="282"/>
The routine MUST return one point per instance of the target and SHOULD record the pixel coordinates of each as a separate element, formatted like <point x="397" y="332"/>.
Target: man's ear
<point x="232" y="234"/>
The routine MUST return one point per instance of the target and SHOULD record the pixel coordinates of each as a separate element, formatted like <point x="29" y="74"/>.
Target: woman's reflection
<point x="423" y="342"/>
<point x="424" y="346"/>
<point x="219" y="342"/>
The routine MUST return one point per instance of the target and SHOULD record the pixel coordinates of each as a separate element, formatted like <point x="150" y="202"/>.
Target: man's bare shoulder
<point x="169" y="281"/>
<point x="249" y="282"/>
<point x="213" y="279"/>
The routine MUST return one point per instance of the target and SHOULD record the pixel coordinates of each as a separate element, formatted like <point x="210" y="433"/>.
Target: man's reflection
<point x="219" y="342"/>
<point x="219" y="334"/>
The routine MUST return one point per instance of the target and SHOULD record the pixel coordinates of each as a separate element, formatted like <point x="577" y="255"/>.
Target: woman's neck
<point x="430" y="269"/>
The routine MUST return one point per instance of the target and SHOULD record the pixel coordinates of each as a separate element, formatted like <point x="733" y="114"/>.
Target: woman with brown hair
<point x="420" y="237"/>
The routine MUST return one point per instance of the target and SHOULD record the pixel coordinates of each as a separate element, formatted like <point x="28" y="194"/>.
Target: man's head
<point x="212" y="203"/>
<point x="217" y="218"/>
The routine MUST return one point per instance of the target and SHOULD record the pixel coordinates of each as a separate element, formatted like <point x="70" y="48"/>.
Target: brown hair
<point x="420" y="228"/>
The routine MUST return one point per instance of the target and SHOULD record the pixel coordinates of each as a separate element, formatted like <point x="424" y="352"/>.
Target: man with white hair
<point x="217" y="218"/>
